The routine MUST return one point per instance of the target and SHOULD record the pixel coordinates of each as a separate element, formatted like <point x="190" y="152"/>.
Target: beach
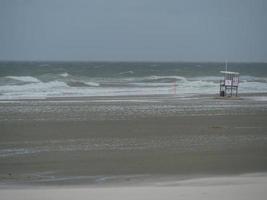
<point x="239" y="187"/>
<point x="124" y="100"/>
<point x="133" y="144"/>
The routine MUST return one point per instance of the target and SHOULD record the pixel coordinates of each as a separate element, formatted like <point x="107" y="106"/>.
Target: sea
<point x="42" y="80"/>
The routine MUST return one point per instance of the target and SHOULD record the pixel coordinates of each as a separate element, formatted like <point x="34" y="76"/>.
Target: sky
<point x="134" y="30"/>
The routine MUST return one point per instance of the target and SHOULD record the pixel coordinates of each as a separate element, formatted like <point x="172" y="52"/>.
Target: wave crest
<point x="65" y="74"/>
<point x="171" y="78"/>
<point x="75" y="83"/>
<point x="28" y="79"/>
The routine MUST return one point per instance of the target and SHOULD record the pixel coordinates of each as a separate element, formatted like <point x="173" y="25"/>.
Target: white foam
<point x="39" y="86"/>
<point x="94" y="84"/>
<point x="166" y="77"/>
<point x="61" y="89"/>
<point x="29" y="79"/>
<point x="257" y="98"/>
<point x="252" y="79"/>
<point x="64" y="74"/>
<point x="180" y="86"/>
<point x="127" y="72"/>
<point x="206" y="78"/>
<point x="252" y="87"/>
<point x="32" y="90"/>
<point x="153" y="84"/>
<point x="124" y="100"/>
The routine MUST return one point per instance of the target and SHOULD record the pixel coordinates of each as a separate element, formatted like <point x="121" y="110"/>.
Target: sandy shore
<point x="134" y="147"/>
<point x="221" y="188"/>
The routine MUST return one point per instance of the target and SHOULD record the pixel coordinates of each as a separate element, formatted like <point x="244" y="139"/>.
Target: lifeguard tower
<point x="229" y="86"/>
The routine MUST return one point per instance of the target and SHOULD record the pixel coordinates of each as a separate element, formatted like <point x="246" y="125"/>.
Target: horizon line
<point x="132" y="61"/>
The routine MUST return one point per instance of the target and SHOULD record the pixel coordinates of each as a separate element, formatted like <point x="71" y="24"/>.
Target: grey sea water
<point x="20" y="80"/>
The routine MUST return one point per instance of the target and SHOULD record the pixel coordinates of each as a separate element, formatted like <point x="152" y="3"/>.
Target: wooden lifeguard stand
<point x="229" y="85"/>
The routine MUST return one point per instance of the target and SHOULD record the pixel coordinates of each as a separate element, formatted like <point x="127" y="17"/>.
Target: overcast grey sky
<point x="133" y="30"/>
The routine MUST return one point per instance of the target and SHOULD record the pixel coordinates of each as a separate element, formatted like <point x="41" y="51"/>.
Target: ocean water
<point x="40" y="80"/>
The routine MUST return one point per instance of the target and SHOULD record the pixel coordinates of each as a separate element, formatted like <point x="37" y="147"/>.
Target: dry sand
<point x="220" y="188"/>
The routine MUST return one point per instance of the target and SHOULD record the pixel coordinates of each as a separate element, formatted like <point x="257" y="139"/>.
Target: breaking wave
<point x="127" y="72"/>
<point x="32" y="90"/>
<point x="75" y="83"/>
<point x="28" y="79"/>
<point x="165" y="78"/>
<point x="64" y="74"/>
<point x="64" y="85"/>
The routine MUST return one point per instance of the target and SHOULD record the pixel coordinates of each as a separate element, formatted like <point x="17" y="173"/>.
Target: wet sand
<point x="130" y="140"/>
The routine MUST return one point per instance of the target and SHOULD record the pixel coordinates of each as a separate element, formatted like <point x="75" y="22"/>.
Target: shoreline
<point x="153" y="96"/>
<point x="141" y="180"/>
